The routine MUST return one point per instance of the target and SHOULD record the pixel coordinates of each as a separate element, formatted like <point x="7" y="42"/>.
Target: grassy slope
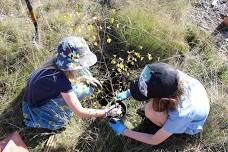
<point x="58" y="19"/>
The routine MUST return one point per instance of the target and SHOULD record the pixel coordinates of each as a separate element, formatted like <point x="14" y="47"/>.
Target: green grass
<point x="224" y="76"/>
<point x="152" y="25"/>
<point x="158" y="26"/>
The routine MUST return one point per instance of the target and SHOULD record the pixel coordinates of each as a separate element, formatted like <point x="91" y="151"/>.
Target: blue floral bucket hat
<point x="73" y="53"/>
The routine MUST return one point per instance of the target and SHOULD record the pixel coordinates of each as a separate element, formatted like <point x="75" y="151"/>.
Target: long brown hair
<point x="162" y="104"/>
<point x="50" y="64"/>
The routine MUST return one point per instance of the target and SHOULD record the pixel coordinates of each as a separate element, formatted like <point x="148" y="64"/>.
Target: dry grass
<point x="58" y="19"/>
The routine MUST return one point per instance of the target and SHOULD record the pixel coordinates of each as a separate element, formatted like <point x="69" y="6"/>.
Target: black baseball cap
<point x="157" y="80"/>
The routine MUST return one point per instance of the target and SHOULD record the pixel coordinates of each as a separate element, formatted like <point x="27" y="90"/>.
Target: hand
<point x="113" y="111"/>
<point x="117" y="126"/>
<point x="91" y="80"/>
<point x="123" y="95"/>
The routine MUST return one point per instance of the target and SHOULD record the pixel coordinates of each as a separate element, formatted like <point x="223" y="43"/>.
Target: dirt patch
<point x="210" y="18"/>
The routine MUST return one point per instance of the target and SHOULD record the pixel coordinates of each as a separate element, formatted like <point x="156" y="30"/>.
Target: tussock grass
<point x="155" y="25"/>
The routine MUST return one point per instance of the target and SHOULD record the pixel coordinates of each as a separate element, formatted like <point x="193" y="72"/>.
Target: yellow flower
<point x="140" y="47"/>
<point x="118" y="25"/>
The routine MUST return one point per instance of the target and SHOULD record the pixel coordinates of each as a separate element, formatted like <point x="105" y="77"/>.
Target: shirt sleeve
<point x="64" y="84"/>
<point x="177" y="124"/>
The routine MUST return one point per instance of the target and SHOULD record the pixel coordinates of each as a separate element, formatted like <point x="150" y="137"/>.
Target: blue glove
<point x="117" y="126"/>
<point x="123" y="95"/>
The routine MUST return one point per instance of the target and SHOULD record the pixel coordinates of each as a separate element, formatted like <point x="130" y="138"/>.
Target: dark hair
<point x="162" y="104"/>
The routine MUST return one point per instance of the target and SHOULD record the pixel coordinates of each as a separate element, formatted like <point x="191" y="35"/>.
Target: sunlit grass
<point x="155" y="27"/>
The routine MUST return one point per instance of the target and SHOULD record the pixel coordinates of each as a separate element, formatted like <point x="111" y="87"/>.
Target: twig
<point x="101" y="47"/>
<point x="50" y="143"/>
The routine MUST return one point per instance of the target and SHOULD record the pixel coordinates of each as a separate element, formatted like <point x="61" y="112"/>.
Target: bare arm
<point x="74" y="104"/>
<point x="160" y="136"/>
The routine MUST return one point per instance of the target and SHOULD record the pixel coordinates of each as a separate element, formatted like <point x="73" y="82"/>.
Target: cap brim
<point x="88" y="60"/>
<point x="135" y="92"/>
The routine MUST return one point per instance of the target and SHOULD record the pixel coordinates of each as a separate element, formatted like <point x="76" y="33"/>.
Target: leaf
<point x="140" y="47"/>
<point x="111" y="20"/>
<point x="90" y="27"/>
<point x="137" y="54"/>
<point x="95" y="43"/>
<point x="121" y="66"/>
<point x="119" y="70"/>
<point x="149" y="56"/>
<point x="113" y="61"/>
<point x="109" y="40"/>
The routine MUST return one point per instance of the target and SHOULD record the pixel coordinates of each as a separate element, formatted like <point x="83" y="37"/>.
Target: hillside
<point x="125" y="35"/>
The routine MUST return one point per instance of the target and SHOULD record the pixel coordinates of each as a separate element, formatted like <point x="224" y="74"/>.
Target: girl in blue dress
<point x="50" y="97"/>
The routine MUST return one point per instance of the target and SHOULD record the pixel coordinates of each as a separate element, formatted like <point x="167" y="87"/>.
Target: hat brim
<point x="135" y="92"/>
<point x="83" y="62"/>
<point x="88" y="60"/>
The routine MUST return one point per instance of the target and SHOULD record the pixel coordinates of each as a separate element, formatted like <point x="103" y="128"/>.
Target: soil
<point x="210" y="18"/>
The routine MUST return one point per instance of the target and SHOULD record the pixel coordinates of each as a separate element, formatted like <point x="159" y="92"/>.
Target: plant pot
<point x="124" y="110"/>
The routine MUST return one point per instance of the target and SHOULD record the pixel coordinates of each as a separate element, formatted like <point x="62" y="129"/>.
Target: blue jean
<point x="55" y="114"/>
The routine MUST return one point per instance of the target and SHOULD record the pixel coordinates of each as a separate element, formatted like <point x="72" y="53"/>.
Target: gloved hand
<point x="123" y="95"/>
<point x="117" y="126"/>
<point x="113" y="110"/>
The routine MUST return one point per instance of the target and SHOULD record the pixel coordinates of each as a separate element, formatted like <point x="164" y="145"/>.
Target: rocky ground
<point x="209" y="15"/>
